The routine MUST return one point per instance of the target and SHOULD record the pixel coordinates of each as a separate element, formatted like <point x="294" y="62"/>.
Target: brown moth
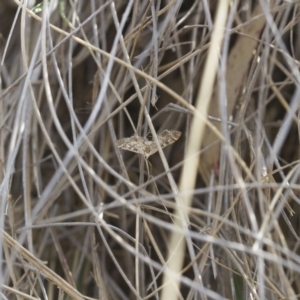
<point x="145" y="147"/>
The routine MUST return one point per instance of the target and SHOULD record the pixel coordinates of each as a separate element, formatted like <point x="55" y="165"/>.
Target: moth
<point x="145" y="147"/>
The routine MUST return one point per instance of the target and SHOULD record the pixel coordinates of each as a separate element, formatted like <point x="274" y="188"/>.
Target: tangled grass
<point x="212" y="214"/>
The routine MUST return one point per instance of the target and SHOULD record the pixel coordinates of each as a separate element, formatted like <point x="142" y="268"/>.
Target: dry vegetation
<point x="215" y="215"/>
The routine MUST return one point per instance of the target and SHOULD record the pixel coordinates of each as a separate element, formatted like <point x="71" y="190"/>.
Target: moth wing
<point x="133" y="144"/>
<point x="120" y="143"/>
<point x="168" y="137"/>
<point x="175" y="135"/>
<point x="149" y="148"/>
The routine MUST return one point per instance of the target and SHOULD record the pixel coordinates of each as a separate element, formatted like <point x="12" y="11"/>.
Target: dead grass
<point x="215" y="215"/>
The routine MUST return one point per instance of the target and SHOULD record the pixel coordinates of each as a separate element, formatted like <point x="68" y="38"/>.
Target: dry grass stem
<point x="203" y="96"/>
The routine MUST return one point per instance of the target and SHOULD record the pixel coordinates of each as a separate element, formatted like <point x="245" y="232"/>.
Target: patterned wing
<point x="149" y="148"/>
<point x="145" y="147"/>
<point x="133" y="144"/>
<point x="168" y="137"/>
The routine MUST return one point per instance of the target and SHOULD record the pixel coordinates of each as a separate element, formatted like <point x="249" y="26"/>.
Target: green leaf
<point x="38" y="8"/>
